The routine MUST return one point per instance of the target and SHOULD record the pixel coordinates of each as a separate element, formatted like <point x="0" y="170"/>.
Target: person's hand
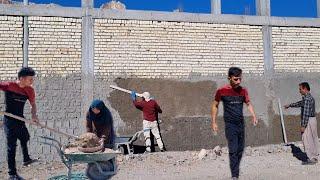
<point x="254" y="120"/>
<point x="133" y="95"/>
<point x="35" y="119"/>
<point x="286" y="106"/>
<point x="302" y="129"/>
<point x="215" y="127"/>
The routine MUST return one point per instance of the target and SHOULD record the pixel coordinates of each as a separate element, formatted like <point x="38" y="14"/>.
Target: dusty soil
<point x="265" y="162"/>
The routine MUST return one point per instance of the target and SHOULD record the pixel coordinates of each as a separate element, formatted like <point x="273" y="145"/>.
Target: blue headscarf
<point x="103" y="118"/>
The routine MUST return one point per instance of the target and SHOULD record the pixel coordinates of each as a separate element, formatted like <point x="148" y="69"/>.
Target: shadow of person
<point x="297" y="153"/>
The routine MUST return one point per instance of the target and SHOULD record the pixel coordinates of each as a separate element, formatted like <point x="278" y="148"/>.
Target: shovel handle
<point x="37" y="124"/>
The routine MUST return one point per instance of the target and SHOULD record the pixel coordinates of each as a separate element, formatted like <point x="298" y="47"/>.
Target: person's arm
<point x="306" y="114"/>
<point x="251" y="110"/>
<point x="34" y="113"/>
<point x="250" y="107"/>
<point x="214" y="114"/>
<point x="31" y="95"/>
<point x="4" y="86"/>
<point x="89" y="126"/>
<point x="138" y="104"/>
<point x="158" y="109"/>
<point x="294" y="105"/>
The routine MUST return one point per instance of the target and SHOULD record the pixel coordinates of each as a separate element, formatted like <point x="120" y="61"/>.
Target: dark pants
<point x="235" y="136"/>
<point x="13" y="133"/>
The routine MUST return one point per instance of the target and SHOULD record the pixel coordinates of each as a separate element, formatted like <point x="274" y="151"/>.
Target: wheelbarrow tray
<point x="90" y="157"/>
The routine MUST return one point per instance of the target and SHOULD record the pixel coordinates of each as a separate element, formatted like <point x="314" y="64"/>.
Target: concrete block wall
<point x="55" y="45"/>
<point x="160" y="49"/>
<point x="296" y="49"/>
<point x="169" y="59"/>
<point x="11" y="40"/>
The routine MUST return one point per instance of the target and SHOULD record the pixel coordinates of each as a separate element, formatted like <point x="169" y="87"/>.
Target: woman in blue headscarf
<point x="99" y="121"/>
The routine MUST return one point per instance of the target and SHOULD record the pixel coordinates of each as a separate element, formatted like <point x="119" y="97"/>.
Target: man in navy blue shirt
<point x="233" y="96"/>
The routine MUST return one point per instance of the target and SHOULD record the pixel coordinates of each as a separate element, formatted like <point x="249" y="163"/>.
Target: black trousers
<point x="14" y="133"/>
<point x="235" y="134"/>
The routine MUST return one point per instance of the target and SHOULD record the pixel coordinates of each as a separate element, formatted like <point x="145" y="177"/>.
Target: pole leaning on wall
<point x="87" y="57"/>
<point x="25" y="37"/>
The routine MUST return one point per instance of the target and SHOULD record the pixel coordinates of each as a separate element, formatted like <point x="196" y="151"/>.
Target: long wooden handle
<point x="37" y="124"/>
<point x="124" y="90"/>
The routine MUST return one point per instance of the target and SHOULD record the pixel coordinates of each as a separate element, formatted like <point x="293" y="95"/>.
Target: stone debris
<point x="202" y="154"/>
<point x="217" y="150"/>
<point x="86" y="140"/>
<point x="248" y="151"/>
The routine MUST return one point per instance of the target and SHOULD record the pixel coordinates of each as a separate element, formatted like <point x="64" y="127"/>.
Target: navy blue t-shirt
<point x="233" y="100"/>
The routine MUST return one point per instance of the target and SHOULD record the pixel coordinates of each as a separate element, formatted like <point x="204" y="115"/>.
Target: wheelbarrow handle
<point x="37" y="124"/>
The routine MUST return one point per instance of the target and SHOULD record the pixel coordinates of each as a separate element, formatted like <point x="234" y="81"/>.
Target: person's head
<point x="96" y="106"/>
<point x="304" y="88"/>
<point x="26" y="75"/>
<point x="235" y="76"/>
<point x="146" y="96"/>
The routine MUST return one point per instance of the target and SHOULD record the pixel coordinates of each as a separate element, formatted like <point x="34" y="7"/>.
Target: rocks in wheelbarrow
<point x="87" y="143"/>
<point x="86" y="140"/>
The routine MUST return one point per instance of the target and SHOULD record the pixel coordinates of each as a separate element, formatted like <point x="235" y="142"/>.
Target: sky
<point x="289" y="8"/>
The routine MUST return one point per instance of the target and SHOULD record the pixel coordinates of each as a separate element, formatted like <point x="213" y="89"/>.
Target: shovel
<point x="37" y="124"/>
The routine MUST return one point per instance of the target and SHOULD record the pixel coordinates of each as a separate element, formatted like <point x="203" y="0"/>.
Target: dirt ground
<point x="265" y="162"/>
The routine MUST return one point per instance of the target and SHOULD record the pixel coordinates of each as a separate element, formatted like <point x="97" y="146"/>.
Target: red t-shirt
<point x="150" y="109"/>
<point x="14" y="87"/>
<point x="233" y="100"/>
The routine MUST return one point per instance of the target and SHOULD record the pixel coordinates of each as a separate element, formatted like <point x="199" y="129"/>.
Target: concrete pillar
<point x="215" y="6"/>
<point x="25" y="37"/>
<point x="318" y="8"/>
<point x="263" y="9"/>
<point x="87" y="58"/>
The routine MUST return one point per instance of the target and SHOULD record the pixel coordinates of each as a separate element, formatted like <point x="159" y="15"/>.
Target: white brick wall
<point x="55" y="45"/>
<point x="296" y="49"/>
<point x="11" y="40"/>
<point x="174" y="50"/>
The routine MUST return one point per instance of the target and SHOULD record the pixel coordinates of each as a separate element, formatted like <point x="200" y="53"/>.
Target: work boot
<point x="162" y="150"/>
<point x="15" y="177"/>
<point x="30" y="161"/>
<point x="148" y="150"/>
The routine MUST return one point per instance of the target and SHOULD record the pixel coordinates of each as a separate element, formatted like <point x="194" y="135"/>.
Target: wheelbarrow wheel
<point x="94" y="173"/>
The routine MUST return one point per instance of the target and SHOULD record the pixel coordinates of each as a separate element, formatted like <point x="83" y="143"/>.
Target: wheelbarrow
<point x="101" y="165"/>
<point x="124" y="143"/>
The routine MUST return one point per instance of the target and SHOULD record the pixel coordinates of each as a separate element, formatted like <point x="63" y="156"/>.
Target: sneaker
<point x="234" y="178"/>
<point x="162" y="150"/>
<point x="26" y="163"/>
<point x="147" y="152"/>
<point x="15" y="177"/>
<point x="309" y="162"/>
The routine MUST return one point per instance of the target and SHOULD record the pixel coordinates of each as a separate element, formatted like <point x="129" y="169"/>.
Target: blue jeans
<point x="235" y="135"/>
<point x="13" y="133"/>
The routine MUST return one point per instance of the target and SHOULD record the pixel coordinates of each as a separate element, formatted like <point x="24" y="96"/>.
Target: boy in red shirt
<point x="16" y="95"/>
<point x="233" y="97"/>
<point x="150" y="110"/>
